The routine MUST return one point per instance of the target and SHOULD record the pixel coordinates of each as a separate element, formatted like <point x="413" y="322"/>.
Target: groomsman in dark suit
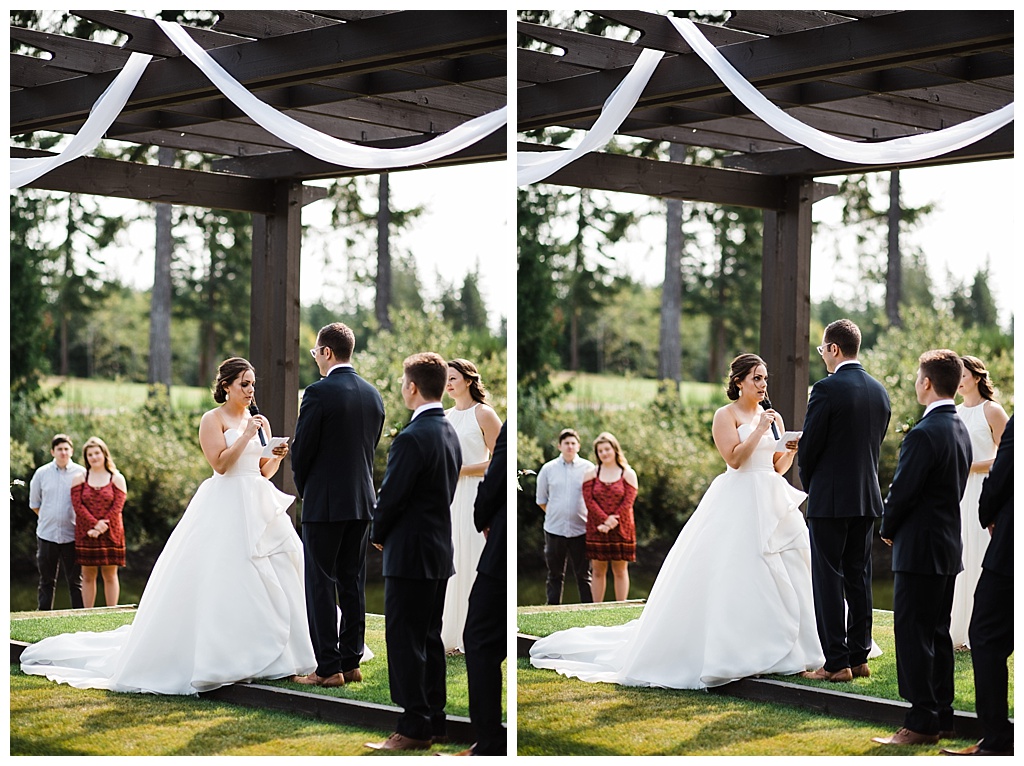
<point x="340" y="423"/>
<point x="412" y="525"/>
<point x="921" y="521"/>
<point x="991" y="630"/>
<point x="847" y="417"/>
<point x="487" y="620"/>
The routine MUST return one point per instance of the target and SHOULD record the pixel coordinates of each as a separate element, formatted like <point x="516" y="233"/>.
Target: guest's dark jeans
<point x="556" y="550"/>
<point x="52" y="558"/>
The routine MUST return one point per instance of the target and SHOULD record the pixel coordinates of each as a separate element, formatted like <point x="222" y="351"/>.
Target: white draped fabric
<point x="536" y="166"/>
<point x="102" y="114"/>
<point x="320" y="145"/>
<point x="532" y="167"/>
<point x="893" y="151"/>
<point x="313" y="142"/>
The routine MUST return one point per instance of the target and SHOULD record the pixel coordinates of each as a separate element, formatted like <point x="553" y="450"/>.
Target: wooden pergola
<point x="374" y="78"/>
<point x="859" y="75"/>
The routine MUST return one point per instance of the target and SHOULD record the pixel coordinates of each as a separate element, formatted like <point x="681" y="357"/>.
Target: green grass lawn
<point x="614" y="720"/>
<point x="592" y="390"/>
<point x="54" y="719"/>
<point x="91" y="395"/>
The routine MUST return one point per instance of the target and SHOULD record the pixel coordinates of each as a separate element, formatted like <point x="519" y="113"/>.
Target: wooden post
<point x="274" y="314"/>
<point x="786" y="301"/>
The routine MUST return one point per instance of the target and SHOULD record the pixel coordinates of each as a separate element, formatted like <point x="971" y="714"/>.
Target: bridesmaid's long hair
<point x="468" y="370"/>
<point x="108" y="461"/>
<point x="227" y="372"/>
<point x="606" y="438"/>
<point x="738" y="370"/>
<point x="977" y="369"/>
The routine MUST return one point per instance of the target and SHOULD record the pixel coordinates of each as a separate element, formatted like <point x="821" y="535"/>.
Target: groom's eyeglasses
<point x="314" y="351"/>
<point x="821" y="349"/>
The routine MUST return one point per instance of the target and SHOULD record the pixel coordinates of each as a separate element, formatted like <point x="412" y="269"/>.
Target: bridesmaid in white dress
<point x="733" y="598"/>
<point x="225" y="602"/>
<point x="985" y="420"/>
<point x="477" y="425"/>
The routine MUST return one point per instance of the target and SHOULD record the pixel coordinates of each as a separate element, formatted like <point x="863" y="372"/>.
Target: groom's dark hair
<point x="844" y="334"/>
<point x="429" y="371"/>
<point x="944" y="369"/>
<point x="339" y="339"/>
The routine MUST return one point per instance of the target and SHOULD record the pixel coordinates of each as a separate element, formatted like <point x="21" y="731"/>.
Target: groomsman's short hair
<point x="339" y="339"/>
<point x="429" y="371"/>
<point x="568" y="433"/>
<point x="844" y="334"/>
<point x="61" y="439"/>
<point x="944" y="369"/>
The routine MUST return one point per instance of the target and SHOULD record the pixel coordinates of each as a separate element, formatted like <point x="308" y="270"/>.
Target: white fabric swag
<point x="313" y="142"/>
<point x="102" y="114"/>
<point x="536" y="166"/>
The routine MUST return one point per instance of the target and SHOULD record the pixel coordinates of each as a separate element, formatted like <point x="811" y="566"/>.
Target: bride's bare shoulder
<point x="726" y="414"/>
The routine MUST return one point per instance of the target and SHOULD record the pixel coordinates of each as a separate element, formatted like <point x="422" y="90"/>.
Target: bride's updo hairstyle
<point x="977" y="369"/>
<point x="738" y="370"/>
<point x="606" y="438"/>
<point x="468" y="370"/>
<point x="228" y="371"/>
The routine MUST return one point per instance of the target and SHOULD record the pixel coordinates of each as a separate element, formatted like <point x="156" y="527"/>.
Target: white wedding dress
<point x="225" y="601"/>
<point x="975" y="538"/>
<point x="467" y="542"/>
<point x="733" y="598"/>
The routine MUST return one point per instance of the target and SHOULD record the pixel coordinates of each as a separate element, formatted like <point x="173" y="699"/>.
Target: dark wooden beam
<point x="875" y="44"/>
<point x="308" y="56"/>
<point x="786" y="300"/>
<point x="152" y="183"/>
<point x="616" y="172"/>
<point x="299" y="165"/>
<point x="804" y="162"/>
<point x="274" y="314"/>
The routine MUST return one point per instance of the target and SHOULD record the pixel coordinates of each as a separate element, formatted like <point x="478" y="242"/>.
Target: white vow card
<point x="789" y="436"/>
<point x="268" y="451"/>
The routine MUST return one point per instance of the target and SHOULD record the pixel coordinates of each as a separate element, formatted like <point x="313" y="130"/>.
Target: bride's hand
<point x="767" y="418"/>
<point x="256" y="422"/>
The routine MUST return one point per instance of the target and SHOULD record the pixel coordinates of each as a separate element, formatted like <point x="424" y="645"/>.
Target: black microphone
<point x="765" y="404"/>
<point x="254" y="410"/>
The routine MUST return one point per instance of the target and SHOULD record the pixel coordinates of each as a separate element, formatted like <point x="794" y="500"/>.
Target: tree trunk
<point x="69" y="275"/>
<point x="383" y="301"/>
<point x="716" y="357"/>
<point x="894" y="273"/>
<point x="160" y="301"/>
<point x="669" y="340"/>
<point x="574" y="287"/>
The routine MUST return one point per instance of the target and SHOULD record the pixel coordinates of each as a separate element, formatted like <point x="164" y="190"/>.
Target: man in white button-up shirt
<point x="560" y="496"/>
<point x="49" y="497"/>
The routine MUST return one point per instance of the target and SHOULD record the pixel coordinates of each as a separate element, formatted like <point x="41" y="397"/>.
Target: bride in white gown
<point x="733" y="598"/>
<point x="225" y="601"/>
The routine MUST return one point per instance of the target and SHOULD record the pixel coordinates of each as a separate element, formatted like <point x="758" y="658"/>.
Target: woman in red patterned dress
<point x="609" y="490"/>
<point x="98" y="498"/>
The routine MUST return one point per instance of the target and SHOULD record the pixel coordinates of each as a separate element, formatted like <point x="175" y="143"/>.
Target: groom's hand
<point x="378" y="546"/>
<point x="887" y="542"/>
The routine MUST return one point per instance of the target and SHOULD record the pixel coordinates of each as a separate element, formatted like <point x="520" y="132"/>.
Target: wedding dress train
<point x="223" y="604"/>
<point x="733" y="598"/>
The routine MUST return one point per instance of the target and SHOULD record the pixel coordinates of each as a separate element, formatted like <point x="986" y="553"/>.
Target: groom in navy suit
<point x="412" y="525"/>
<point x="847" y="417"/>
<point x="340" y="423"/>
<point x="921" y="521"/>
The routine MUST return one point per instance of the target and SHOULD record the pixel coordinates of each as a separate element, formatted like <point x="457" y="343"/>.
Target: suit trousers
<point x="922" y="604"/>
<point x="556" y="550"/>
<point x="991" y="635"/>
<point x="51" y="559"/>
<point x="335" y="562"/>
<point x="484" y="635"/>
<point x="416" y="659"/>
<point x="841" y="575"/>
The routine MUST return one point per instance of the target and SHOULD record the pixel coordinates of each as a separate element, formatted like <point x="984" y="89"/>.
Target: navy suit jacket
<point x="413" y="518"/>
<point x="491" y="509"/>
<point x="340" y="423"/>
<point x="847" y="417"/>
<point x="922" y="510"/>
<point x="996" y="507"/>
